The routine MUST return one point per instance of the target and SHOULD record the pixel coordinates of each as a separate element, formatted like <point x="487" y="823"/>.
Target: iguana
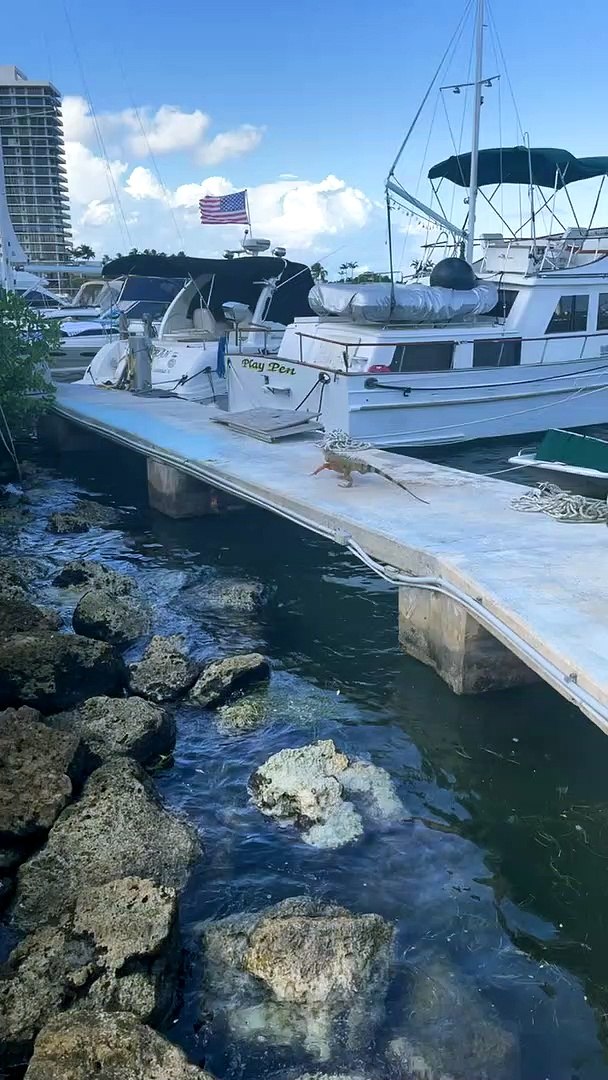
<point x="340" y="453"/>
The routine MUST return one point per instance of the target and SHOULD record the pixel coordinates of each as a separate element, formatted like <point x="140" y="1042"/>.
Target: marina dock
<point x="489" y="596"/>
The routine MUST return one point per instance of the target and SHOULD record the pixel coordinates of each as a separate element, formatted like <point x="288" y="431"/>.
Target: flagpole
<point x="248" y="210"/>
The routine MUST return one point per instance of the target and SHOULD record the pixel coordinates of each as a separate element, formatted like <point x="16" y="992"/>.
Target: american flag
<point x="224" y="209"/>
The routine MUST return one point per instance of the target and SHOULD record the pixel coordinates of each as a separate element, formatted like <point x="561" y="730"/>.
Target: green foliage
<point x="83" y="253"/>
<point x="25" y="342"/>
<point x="370" y="276"/>
<point x="347" y="270"/>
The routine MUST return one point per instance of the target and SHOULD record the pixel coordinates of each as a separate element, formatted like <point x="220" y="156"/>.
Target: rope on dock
<point x="562" y="505"/>
<point x="338" y="442"/>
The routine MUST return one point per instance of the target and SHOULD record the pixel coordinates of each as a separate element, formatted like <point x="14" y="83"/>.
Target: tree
<point x="346" y="270"/>
<point x="369" y="276"/>
<point x="318" y="272"/>
<point x="26" y="339"/>
<point x="83" y="252"/>
<point x="422" y="267"/>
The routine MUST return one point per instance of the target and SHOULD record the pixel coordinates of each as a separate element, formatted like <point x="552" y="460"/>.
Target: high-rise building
<point x="31" y="128"/>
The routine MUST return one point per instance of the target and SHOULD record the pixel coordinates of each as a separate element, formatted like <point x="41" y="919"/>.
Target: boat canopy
<point x="545" y="167"/>
<point x="233" y="279"/>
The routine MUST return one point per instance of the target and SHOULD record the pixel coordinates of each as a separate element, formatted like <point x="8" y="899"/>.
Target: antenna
<point x="476" y="125"/>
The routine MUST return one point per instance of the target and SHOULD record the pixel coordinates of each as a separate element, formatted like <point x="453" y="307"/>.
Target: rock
<point x="14" y="516"/>
<point x="118" y="949"/>
<point x="221" y="678"/>
<point x="15" y="578"/>
<point x="106" y="617"/>
<point x="245" y="714"/>
<point x="94" y="575"/>
<point x="57" y="671"/>
<point x="335" y="1076"/>
<point x="84" y="1044"/>
<point x="125" y="726"/>
<point x="300" y="971"/>
<point x="37" y="767"/>
<point x="84" y="515"/>
<point x="243" y="596"/>
<point x="306" y="787"/>
<point x="19" y="616"/>
<point x="165" y="672"/>
<point x="451" y="1031"/>
<point x="119" y="827"/>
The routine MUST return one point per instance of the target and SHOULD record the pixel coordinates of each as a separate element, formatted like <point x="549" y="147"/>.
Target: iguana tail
<point x="399" y="483"/>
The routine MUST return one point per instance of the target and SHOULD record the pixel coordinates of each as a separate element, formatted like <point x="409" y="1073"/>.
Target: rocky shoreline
<point x="93" y="864"/>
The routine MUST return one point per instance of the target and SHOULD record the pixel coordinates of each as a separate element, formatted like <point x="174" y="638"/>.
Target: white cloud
<point x="141" y="184"/>
<point x="188" y="195"/>
<point x="164" y="132"/>
<point x="77" y="120"/>
<point x="96" y="214"/>
<point x="302" y="214"/>
<point x="139" y="132"/>
<point x="91" y="178"/>
<point x="298" y="212"/>
<point x="230" y="144"/>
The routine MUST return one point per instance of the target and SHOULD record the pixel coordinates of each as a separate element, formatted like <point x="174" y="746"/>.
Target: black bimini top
<point x="545" y="167"/>
<point x="228" y="279"/>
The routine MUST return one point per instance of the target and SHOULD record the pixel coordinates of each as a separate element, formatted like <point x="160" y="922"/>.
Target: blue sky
<point x="308" y="90"/>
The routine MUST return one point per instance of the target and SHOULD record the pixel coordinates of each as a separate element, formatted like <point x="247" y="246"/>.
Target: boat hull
<point x="428" y="409"/>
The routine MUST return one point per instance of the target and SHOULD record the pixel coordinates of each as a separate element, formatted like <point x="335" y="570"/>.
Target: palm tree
<point x="318" y="272"/>
<point x="347" y="270"/>
<point x="83" y="252"/>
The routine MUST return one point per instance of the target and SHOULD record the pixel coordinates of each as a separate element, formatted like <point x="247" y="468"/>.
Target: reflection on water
<point x="497" y="883"/>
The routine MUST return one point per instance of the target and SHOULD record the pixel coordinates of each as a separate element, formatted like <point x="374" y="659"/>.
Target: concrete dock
<point x="489" y="596"/>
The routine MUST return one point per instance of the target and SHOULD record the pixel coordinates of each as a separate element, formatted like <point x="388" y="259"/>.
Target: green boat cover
<point x="568" y="448"/>
<point x="545" y="166"/>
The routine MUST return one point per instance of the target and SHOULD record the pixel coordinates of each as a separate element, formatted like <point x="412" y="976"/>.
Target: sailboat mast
<point x="476" y="123"/>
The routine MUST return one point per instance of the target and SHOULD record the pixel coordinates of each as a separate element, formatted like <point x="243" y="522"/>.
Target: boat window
<point x="423" y="356"/>
<point x="506" y="299"/>
<point x="570" y="315"/>
<point x="500" y="353"/>
<point x="602" y="312"/>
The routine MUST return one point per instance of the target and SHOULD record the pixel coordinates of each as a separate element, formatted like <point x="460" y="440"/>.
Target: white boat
<point x="246" y="299"/>
<point x="84" y="331"/>
<point x="33" y="289"/>
<point x="88" y="303"/>
<point x="513" y="340"/>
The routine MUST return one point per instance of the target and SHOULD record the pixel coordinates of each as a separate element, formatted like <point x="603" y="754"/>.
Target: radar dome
<point x="454" y="274"/>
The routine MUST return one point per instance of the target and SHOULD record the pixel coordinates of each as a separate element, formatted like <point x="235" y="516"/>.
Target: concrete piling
<point x="439" y="632"/>
<point x="178" y="495"/>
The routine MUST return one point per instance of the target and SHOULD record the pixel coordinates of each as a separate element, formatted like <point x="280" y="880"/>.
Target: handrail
<point x="571" y="335"/>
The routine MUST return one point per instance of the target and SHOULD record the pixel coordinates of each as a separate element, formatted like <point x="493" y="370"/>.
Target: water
<point x="498" y="881"/>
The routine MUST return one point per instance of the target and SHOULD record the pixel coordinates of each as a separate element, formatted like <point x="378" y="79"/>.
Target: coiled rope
<point x="338" y="442"/>
<point x="562" y="505"/>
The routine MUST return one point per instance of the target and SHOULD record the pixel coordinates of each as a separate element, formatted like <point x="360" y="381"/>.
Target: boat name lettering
<point x="272" y="366"/>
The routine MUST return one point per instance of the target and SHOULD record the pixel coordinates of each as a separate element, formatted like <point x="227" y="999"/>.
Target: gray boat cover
<point x="412" y="303"/>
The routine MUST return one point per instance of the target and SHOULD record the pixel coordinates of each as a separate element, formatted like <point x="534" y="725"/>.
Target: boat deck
<point x="543" y="582"/>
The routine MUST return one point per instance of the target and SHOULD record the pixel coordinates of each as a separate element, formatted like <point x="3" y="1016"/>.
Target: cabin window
<point x="569" y="316"/>
<point x="423" y="356"/>
<point x="602" y="312"/>
<point x="500" y="353"/>
<point x="506" y="299"/>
